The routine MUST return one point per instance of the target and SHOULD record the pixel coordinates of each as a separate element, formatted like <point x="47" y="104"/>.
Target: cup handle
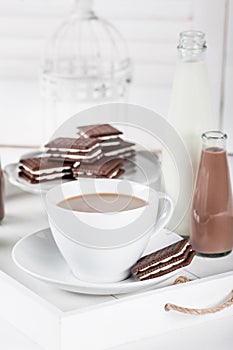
<point x="166" y="213"/>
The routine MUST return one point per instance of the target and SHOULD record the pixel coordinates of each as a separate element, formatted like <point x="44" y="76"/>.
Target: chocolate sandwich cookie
<point x="172" y="268"/>
<point x="124" y="149"/>
<point x="80" y="149"/>
<point x="105" y="167"/>
<point x="101" y="131"/>
<point x="163" y="261"/>
<point x="36" y="170"/>
<point x="36" y="180"/>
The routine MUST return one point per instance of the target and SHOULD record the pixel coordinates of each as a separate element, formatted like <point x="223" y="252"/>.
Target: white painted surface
<point x="151" y="29"/>
<point x="115" y="329"/>
<point x="24" y="120"/>
<point x="210" y="16"/>
<point x="214" y="335"/>
<point x="228" y="87"/>
<point x="12" y="339"/>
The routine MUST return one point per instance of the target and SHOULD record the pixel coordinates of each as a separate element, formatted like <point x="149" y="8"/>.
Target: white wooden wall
<point x="151" y="28"/>
<point x="227" y="117"/>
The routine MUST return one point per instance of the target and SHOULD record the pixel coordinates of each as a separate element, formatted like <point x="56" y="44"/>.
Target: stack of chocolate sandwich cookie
<point x="36" y="170"/>
<point x="82" y="149"/>
<point x="164" y="261"/>
<point x="109" y="138"/>
<point x="98" y="151"/>
<point x="105" y="167"/>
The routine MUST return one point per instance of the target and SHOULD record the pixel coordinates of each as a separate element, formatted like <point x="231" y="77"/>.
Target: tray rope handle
<point x="186" y="310"/>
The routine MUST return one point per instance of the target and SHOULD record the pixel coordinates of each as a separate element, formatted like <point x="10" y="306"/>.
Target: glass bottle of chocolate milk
<point x="1" y="194"/>
<point x="212" y="208"/>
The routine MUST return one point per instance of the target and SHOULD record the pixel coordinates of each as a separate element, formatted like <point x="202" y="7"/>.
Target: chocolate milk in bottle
<point x="212" y="208"/>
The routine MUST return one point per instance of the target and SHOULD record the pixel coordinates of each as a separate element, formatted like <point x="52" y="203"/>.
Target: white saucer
<point x="38" y="255"/>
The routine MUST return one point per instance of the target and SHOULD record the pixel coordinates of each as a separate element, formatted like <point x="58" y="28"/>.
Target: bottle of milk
<point x="190" y="113"/>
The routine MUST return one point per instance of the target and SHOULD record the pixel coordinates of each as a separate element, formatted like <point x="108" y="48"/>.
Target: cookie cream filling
<point x="108" y="137"/>
<point x="44" y="171"/>
<point x="167" y="259"/>
<point x="167" y="267"/>
<point x="89" y="173"/>
<point x="73" y="156"/>
<point x="118" y="151"/>
<point x="114" y="174"/>
<point x="110" y="143"/>
<point x="72" y="150"/>
<point x="51" y="177"/>
<point x="129" y="154"/>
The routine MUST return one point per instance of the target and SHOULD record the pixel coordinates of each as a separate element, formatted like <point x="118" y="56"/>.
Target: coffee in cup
<point x="102" y="203"/>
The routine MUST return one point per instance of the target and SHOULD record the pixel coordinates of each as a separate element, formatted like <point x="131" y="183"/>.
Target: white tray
<point x="110" y="323"/>
<point x="58" y="320"/>
<point x="213" y="334"/>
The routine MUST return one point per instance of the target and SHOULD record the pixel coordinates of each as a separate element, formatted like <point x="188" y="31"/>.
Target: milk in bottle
<point x="190" y="113"/>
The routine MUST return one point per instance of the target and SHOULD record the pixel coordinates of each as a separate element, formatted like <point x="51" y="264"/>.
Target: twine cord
<point x="182" y="279"/>
<point x="186" y="310"/>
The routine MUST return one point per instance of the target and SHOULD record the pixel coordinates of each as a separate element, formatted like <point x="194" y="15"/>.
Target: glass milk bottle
<point x="212" y="208"/>
<point x="190" y="113"/>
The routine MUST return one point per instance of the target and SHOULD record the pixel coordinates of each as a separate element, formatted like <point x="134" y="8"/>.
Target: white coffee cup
<point x="102" y="247"/>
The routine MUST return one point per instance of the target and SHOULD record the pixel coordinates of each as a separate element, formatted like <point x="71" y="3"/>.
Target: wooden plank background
<point x="227" y="117"/>
<point x="150" y="27"/>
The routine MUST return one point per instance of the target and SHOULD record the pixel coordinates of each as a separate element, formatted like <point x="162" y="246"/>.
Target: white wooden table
<point x="25" y="214"/>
